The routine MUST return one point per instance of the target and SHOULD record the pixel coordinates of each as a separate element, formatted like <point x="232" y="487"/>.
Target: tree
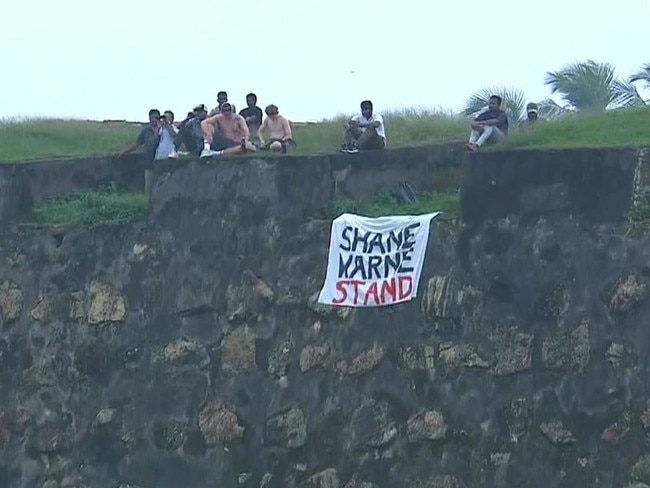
<point x="513" y="102"/>
<point x="589" y="86"/>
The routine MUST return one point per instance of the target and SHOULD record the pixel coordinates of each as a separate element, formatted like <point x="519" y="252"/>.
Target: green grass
<point x="103" y="207"/>
<point x="623" y="127"/>
<point x="386" y="204"/>
<point x="47" y="138"/>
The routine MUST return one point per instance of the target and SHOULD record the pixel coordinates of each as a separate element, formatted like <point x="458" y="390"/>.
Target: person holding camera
<point x="167" y="133"/>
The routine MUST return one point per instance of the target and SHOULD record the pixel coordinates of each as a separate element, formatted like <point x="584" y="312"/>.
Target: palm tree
<point x="591" y="86"/>
<point x="513" y="102"/>
<point x="643" y="75"/>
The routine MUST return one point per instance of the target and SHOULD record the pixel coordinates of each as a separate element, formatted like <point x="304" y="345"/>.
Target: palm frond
<point x="513" y="104"/>
<point x="643" y="75"/>
<point x="549" y="109"/>
<point x="585" y="85"/>
<point x="626" y="95"/>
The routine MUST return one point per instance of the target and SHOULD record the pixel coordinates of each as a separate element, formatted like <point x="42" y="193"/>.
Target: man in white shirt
<point x="167" y="133"/>
<point x="365" y="131"/>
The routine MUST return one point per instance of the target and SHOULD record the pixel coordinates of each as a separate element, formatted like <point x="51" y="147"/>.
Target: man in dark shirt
<point x="531" y="117"/>
<point x="191" y="134"/>
<point x="252" y="113"/>
<point x="148" y="139"/>
<point x="491" y="125"/>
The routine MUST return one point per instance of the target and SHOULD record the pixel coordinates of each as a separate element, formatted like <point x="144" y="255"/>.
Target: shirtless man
<point x="225" y="133"/>
<point x="279" y="128"/>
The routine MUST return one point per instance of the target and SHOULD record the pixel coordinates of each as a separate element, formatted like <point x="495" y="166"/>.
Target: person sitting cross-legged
<point x="225" y="133"/>
<point x="364" y="131"/>
<point x="489" y="126"/>
<point x="279" y="131"/>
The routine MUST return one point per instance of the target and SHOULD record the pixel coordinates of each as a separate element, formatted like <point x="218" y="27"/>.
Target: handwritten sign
<point x="375" y="262"/>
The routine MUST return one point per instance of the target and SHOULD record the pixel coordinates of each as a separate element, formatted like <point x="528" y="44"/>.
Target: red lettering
<point x="356" y="284"/>
<point x="408" y="280"/>
<point x="340" y="287"/>
<point x="388" y="287"/>
<point x="372" y="291"/>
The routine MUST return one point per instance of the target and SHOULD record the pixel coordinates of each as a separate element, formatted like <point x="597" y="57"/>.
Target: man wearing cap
<point x="191" y="133"/>
<point x="225" y="133"/>
<point x="531" y="116"/>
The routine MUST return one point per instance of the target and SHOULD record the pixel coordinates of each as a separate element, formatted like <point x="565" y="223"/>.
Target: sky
<point x="117" y="59"/>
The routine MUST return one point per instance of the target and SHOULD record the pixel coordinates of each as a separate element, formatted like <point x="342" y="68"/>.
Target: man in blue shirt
<point x="491" y="125"/>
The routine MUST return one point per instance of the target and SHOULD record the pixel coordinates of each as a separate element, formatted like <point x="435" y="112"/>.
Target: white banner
<point x="375" y="261"/>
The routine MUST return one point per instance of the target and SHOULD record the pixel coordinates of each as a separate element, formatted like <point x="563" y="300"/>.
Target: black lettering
<point x="344" y="266"/>
<point x="406" y="258"/>
<point x="373" y="265"/>
<point x="346" y="238"/>
<point x="359" y="268"/>
<point x="360" y="238"/>
<point x="392" y="264"/>
<point x="376" y="242"/>
<point x="409" y="237"/>
<point x="394" y="238"/>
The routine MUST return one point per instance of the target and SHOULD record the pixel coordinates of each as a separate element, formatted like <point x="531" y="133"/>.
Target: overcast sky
<point x="314" y="59"/>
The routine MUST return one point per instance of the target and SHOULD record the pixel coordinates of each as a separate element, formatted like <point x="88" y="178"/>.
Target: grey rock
<point x="313" y="356"/>
<point x="11" y="301"/>
<point x="363" y="363"/>
<point x="218" y="424"/>
<point x="641" y="469"/>
<point x="372" y="425"/>
<point x="288" y="428"/>
<point x="567" y="350"/>
<point x="185" y="351"/>
<point x="461" y="355"/>
<point x="328" y="478"/>
<point x="439" y="300"/>
<point x="428" y="424"/>
<point x="513" y="350"/>
<point x="238" y="351"/>
<point x="248" y="299"/>
<point x="416" y="358"/>
<point x="279" y="359"/>
<point x="557" y="433"/>
<point x="627" y="294"/>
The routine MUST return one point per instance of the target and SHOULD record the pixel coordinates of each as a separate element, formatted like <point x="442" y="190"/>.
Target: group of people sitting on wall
<point x="216" y="132"/>
<point x="222" y="131"/>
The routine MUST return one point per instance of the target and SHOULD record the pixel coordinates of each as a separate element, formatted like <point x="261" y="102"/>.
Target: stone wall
<point x="24" y="185"/>
<point x="191" y="352"/>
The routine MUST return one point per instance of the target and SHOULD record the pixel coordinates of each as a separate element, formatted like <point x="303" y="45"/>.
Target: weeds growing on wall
<point x="106" y="206"/>
<point x="386" y="203"/>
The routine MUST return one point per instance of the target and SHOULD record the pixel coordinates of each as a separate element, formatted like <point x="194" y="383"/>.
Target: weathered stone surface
<point x="372" y="425"/>
<point x="11" y="301"/>
<point x="628" y="293"/>
<point x="288" y="428"/>
<point x="357" y="483"/>
<point x="556" y="432"/>
<point x="250" y="298"/>
<point x="517" y="418"/>
<point x="439" y="298"/>
<point x="641" y="469"/>
<point x="313" y="356"/>
<point x="363" y="363"/>
<point x="169" y="435"/>
<point x="461" y="355"/>
<point x="185" y="351"/>
<point x="618" y="429"/>
<point x="218" y="424"/>
<point x="513" y="350"/>
<point x="105" y="304"/>
<point x="428" y="424"/>
<point x="440" y="481"/>
<point x="416" y="358"/>
<point x="238" y="351"/>
<point x="279" y="359"/>
<point x="567" y="350"/>
<point x="328" y="478"/>
<point x="615" y="353"/>
<point x="329" y="311"/>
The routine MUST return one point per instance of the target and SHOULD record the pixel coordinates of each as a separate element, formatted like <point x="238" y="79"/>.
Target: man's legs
<point x="488" y="133"/>
<point x="370" y="140"/>
<point x="352" y="133"/>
